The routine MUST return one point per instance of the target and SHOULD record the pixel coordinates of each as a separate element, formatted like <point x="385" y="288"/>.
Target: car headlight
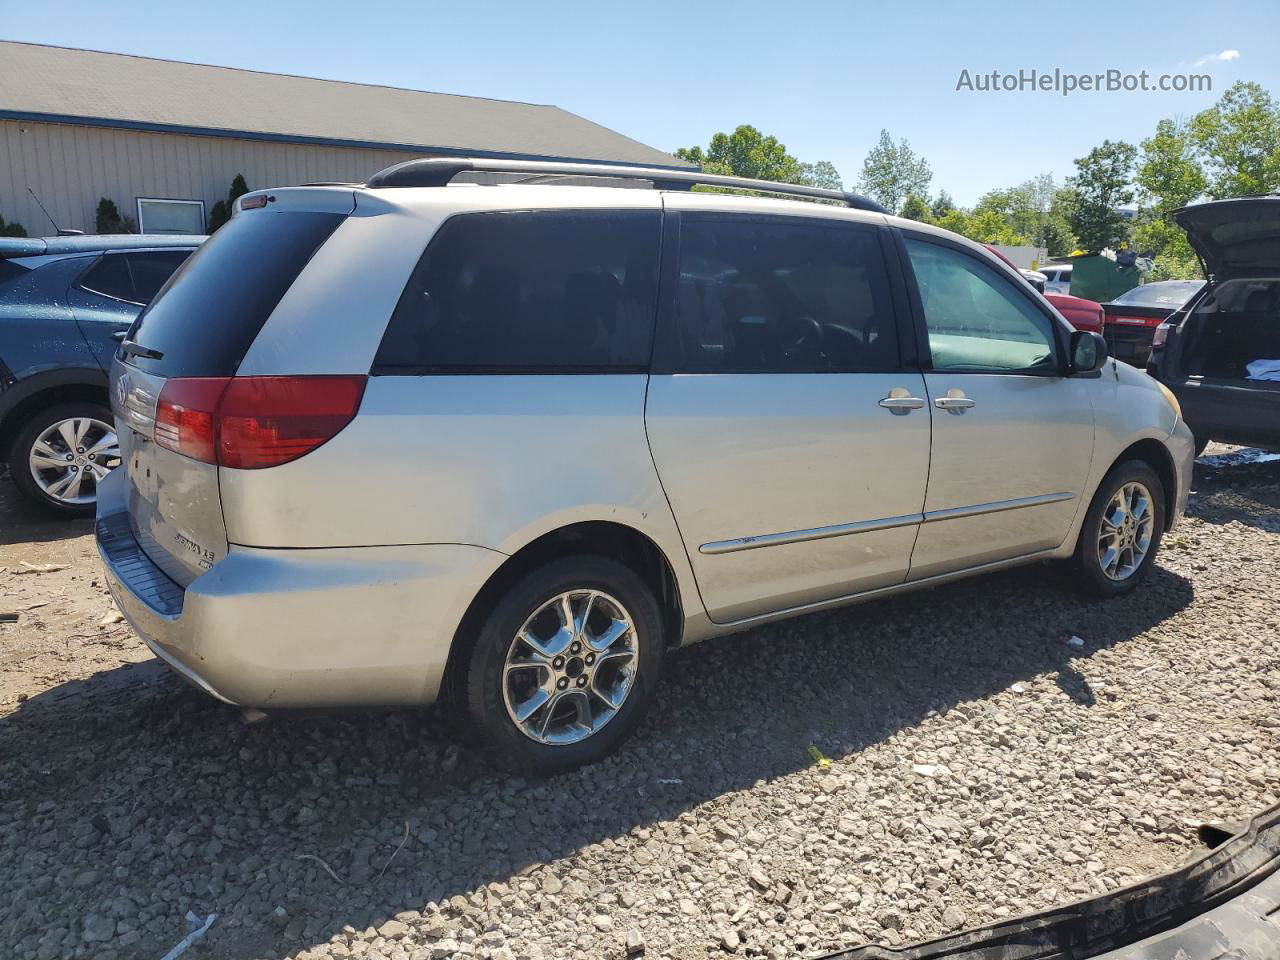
<point x="1173" y="401"/>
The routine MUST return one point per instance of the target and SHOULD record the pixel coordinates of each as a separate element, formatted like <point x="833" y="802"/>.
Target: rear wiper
<point x="138" y="350"/>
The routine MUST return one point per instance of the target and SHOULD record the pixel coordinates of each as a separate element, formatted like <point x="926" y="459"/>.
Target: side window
<point x="151" y="270"/>
<point x="109" y="276"/>
<point x="571" y="290"/>
<point x="977" y="320"/>
<point x="775" y="294"/>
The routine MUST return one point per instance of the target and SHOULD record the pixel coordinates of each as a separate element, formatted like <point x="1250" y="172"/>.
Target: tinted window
<point x="758" y="295"/>
<point x="204" y="319"/>
<point x="548" y="290"/>
<point x="977" y="319"/>
<point x="151" y="270"/>
<point x="109" y="276"/>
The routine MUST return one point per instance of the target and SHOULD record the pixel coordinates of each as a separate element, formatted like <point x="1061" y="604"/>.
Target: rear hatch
<point x="1235" y="238"/>
<point x="176" y="363"/>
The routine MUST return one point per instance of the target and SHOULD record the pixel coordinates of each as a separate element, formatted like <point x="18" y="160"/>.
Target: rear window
<point x="530" y="291"/>
<point x="109" y="276"/>
<point x="205" y="317"/>
<point x="1171" y="295"/>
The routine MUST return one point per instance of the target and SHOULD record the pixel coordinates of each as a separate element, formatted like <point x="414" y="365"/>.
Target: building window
<point x="170" y="216"/>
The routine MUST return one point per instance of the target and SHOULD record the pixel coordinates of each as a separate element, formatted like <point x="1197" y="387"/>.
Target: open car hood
<point x="1235" y="238"/>
<point x="1222" y="904"/>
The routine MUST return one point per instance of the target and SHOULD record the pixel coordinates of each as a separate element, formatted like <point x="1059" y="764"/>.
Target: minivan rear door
<point x="786" y="419"/>
<point x="199" y="326"/>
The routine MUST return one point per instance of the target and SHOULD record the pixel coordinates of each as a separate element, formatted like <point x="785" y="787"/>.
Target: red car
<point x="1080" y="313"/>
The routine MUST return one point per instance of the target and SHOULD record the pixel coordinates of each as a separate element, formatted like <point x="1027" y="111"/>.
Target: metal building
<point x="163" y="140"/>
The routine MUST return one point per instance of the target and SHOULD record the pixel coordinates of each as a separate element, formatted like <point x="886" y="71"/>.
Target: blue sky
<point x="822" y="77"/>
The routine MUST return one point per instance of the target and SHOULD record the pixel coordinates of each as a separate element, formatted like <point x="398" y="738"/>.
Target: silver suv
<point x="506" y="445"/>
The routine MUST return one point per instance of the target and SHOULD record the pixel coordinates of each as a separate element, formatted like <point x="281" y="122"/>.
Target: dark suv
<point x="1220" y="353"/>
<point x="65" y="303"/>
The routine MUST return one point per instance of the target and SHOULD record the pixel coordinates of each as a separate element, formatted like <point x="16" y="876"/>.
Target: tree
<point x="12" y="229"/>
<point x="1238" y="139"/>
<point x="914" y="208"/>
<point x="892" y="172"/>
<point x="1102" y="186"/>
<point x="942" y="205"/>
<point x="821" y="174"/>
<point x="220" y="212"/>
<point x="749" y="153"/>
<point x="108" y="219"/>
<point x="1169" y="176"/>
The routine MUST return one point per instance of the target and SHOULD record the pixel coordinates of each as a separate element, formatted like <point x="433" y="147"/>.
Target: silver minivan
<point x="506" y="445"/>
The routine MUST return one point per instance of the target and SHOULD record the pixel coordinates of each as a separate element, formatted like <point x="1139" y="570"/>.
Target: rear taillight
<point x="1161" y="335"/>
<point x="186" y="416"/>
<point x="1134" y="321"/>
<point x="254" y="422"/>
<point x="265" y="421"/>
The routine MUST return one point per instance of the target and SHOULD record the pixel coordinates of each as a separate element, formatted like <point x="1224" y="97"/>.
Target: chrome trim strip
<point x="814" y="533"/>
<point x="998" y="506"/>
<point x="865" y="526"/>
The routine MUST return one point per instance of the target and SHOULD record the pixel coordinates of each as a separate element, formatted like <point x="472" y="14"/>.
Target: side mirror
<point x="1088" y="352"/>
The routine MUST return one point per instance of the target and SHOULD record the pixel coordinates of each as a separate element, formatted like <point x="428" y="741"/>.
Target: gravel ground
<point x="981" y="765"/>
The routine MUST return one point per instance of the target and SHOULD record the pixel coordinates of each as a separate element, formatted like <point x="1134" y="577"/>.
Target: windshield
<point x="1172" y="294"/>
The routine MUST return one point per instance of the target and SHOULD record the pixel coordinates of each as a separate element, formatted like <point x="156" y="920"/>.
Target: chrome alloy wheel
<point x="1125" y="534"/>
<point x="570" y="667"/>
<point x="69" y="459"/>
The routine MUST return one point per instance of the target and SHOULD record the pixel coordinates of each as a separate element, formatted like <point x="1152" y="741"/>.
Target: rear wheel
<point x="1122" y="529"/>
<point x="565" y="665"/>
<point x="61" y="454"/>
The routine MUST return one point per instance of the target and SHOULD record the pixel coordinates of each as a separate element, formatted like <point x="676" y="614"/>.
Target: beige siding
<point x="70" y="167"/>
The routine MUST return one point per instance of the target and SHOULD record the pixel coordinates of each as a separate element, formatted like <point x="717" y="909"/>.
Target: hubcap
<point x="1125" y="535"/>
<point x="69" y="459"/>
<point x="570" y="667"/>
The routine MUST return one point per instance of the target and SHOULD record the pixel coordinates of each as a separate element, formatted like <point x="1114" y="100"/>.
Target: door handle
<point x="119" y="334"/>
<point x="955" y="402"/>
<point x="899" y="402"/>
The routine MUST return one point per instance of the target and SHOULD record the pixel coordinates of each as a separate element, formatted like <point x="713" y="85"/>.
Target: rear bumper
<point x="359" y="626"/>
<point x="1132" y="344"/>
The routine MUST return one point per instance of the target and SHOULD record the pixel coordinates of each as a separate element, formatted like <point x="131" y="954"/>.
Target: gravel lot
<point x="980" y="766"/>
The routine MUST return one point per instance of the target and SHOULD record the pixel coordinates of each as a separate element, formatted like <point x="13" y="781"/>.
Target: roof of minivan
<point x="11" y="247"/>
<point x="90" y="87"/>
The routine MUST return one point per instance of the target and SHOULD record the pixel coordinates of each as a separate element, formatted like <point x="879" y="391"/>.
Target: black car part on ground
<point x="1112" y="921"/>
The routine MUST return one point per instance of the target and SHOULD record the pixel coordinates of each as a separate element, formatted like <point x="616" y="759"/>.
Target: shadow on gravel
<point x="176" y="804"/>
<point x="23" y="522"/>
<point x="1242" y="486"/>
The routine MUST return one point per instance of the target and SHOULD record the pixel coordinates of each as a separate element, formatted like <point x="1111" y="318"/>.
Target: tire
<point x="43" y="491"/>
<point x="494" y="699"/>
<point x="1091" y="560"/>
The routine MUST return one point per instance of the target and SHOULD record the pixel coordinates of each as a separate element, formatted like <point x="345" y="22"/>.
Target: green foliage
<point x="942" y="205"/>
<point x="1238" y="139"/>
<point x="220" y="212"/>
<point x="12" y="229"/>
<point x="915" y="208"/>
<point x="749" y="153"/>
<point x="892" y="172"/>
<point x="218" y="215"/>
<point x="821" y="174"/>
<point x="1102" y="185"/>
<point x="108" y="219"/>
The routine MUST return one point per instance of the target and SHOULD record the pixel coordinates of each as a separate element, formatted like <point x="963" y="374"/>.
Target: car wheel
<point x="565" y="665"/>
<point x="1122" y="529"/>
<point x="61" y="454"/>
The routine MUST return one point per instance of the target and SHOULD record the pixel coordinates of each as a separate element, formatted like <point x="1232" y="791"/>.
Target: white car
<point x="1057" y="278"/>
<point x="505" y="446"/>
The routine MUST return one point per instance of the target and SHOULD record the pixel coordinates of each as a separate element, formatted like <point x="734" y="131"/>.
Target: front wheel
<point x="61" y="454"/>
<point x="1122" y="529"/>
<point x="565" y="665"/>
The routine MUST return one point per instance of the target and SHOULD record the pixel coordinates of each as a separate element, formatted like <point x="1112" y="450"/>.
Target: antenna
<point x="46" y="212"/>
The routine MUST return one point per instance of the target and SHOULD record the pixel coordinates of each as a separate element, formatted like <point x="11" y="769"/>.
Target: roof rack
<point x="439" y="171"/>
